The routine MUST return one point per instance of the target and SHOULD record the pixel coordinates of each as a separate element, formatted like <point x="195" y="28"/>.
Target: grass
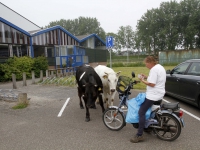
<point x="20" y="106"/>
<point x="126" y="71"/>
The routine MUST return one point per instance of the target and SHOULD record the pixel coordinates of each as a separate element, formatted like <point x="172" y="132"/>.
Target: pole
<point x="110" y="59"/>
<point x="127" y="54"/>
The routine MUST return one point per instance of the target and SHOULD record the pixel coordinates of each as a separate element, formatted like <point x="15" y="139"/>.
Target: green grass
<point x="126" y="71"/>
<point x="20" y="106"/>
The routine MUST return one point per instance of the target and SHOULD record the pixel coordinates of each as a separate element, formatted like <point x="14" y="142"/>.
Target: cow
<point x="109" y="79"/>
<point x="89" y="88"/>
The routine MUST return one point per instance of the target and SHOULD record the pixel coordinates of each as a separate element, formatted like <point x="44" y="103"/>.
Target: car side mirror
<point x="133" y="75"/>
<point x="168" y="71"/>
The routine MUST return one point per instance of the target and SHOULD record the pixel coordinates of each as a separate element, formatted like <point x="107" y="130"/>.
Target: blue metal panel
<point x="32" y="52"/>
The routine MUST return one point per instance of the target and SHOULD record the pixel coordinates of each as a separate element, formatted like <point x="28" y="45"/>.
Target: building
<point x="21" y="37"/>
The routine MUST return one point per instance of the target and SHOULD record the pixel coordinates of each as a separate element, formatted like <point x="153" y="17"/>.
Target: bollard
<point x="41" y="75"/>
<point x="64" y="71"/>
<point x="33" y="77"/>
<point x="14" y="81"/>
<point x="24" y="79"/>
<point x="47" y="73"/>
<point x="22" y="98"/>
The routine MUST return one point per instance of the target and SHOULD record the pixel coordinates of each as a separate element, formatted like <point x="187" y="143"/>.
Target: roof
<point x="14" y="26"/>
<point x="38" y="32"/>
<point x="193" y="60"/>
<point x="85" y="37"/>
<point x="80" y="37"/>
<point x="19" y="15"/>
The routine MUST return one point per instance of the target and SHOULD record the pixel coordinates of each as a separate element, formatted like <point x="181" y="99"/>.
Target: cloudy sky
<point x="110" y="13"/>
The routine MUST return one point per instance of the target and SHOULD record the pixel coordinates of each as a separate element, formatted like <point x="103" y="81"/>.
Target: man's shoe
<point x="137" y="139"/>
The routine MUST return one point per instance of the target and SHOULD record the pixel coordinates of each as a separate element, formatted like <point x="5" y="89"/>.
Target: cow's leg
<point x="79" y="95"/>
<point x="87" y="118"/>
<point x="101" y="102"/>
<point x="105" y="98"/>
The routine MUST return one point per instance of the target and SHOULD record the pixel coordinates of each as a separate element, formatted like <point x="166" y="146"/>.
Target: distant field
<point x="126" y="71"/>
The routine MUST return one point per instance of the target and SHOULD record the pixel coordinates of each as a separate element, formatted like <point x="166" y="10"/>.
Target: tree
<point x="125" y="38"/>
<point x="171" y="26"/>
<point x="190" y="23"/>
<point x="81" y="26"/>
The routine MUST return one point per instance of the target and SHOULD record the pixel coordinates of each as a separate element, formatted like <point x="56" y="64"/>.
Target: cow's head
<point x="112" y="79"/>
<point x="91" y="91"/>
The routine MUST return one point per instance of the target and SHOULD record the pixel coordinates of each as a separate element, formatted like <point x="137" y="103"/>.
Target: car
<point x="183" y="82"/>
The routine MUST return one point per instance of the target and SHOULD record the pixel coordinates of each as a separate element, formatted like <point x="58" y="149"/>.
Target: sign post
<point x="109" y="45"/>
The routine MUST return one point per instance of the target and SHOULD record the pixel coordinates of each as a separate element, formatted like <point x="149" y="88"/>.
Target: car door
<point x="190" y="83"/>
<point x="173" y="80"/>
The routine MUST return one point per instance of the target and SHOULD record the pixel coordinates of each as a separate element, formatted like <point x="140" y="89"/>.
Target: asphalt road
<point x="38" y="126"/>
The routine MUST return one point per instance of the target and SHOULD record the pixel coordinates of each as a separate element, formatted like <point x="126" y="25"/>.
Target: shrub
<point x="18" y="65"/>
<point x="40" y="63"/>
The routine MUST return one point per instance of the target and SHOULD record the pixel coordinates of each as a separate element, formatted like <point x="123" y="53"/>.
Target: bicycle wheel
<point x="170" y="130"/>
<point x="113" y="119"/>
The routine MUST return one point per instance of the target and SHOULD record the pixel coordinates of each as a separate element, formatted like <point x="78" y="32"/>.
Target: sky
<point x="111" y="14"/>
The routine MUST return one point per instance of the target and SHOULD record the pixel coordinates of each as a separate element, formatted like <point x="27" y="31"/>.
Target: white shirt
<point x="157" y="76"/>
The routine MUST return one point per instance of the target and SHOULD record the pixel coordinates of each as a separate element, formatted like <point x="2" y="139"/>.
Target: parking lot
<point x="39" y="127"/>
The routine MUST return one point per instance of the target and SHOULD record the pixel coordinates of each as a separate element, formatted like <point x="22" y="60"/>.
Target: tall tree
<point x="190" y="23"/>
<point x="125" y="38"/>
<point x="81" y="26"/>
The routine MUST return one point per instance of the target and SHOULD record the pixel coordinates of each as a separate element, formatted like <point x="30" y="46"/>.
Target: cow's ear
<point x="118" y="73"/>
<point x="106" y="75"/>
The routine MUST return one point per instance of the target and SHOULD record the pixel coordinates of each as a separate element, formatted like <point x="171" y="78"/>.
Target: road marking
<point x="186" y="112"/>
<point x="61" y="111"/>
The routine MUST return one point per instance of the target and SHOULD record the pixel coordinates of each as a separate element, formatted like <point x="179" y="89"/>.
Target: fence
<point x="178" y="56"/>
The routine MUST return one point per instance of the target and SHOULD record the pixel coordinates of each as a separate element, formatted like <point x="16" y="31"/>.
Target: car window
<point x="194" y="69"/>
<point x="180" y="69"/>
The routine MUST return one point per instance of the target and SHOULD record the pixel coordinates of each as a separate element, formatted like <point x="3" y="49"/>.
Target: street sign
<point x="109" y="42"/>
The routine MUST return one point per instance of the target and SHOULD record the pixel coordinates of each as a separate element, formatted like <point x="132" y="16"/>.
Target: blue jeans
<point x="142" y="111"/>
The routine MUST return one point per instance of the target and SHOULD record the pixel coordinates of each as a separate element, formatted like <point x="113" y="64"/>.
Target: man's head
<point x="150" y="61"/>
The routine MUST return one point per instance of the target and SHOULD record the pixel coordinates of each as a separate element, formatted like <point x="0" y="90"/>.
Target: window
<point x="181" y="68"/>
<point x="194" y="69"/>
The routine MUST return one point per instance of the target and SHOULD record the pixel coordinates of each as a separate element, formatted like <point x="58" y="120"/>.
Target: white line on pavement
<point x="61" y="111"/>
<point x="186" y="112"/>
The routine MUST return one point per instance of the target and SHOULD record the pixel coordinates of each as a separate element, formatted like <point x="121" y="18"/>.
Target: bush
<point x="18" y="65"/>
<point x="40" y="63"/>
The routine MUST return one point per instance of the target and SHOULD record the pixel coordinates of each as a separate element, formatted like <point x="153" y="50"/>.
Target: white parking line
<point x="186" y="112"/>
<point x="61" y="111"/>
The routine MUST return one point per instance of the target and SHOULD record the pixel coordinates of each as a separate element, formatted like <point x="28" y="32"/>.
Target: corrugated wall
<point x="178" y="56"/>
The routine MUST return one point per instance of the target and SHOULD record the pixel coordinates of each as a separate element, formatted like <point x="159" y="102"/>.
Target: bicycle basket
<point x="123" y="83"/>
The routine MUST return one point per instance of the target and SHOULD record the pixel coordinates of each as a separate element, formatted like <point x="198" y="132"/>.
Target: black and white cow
<point x="89" y="88"/>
